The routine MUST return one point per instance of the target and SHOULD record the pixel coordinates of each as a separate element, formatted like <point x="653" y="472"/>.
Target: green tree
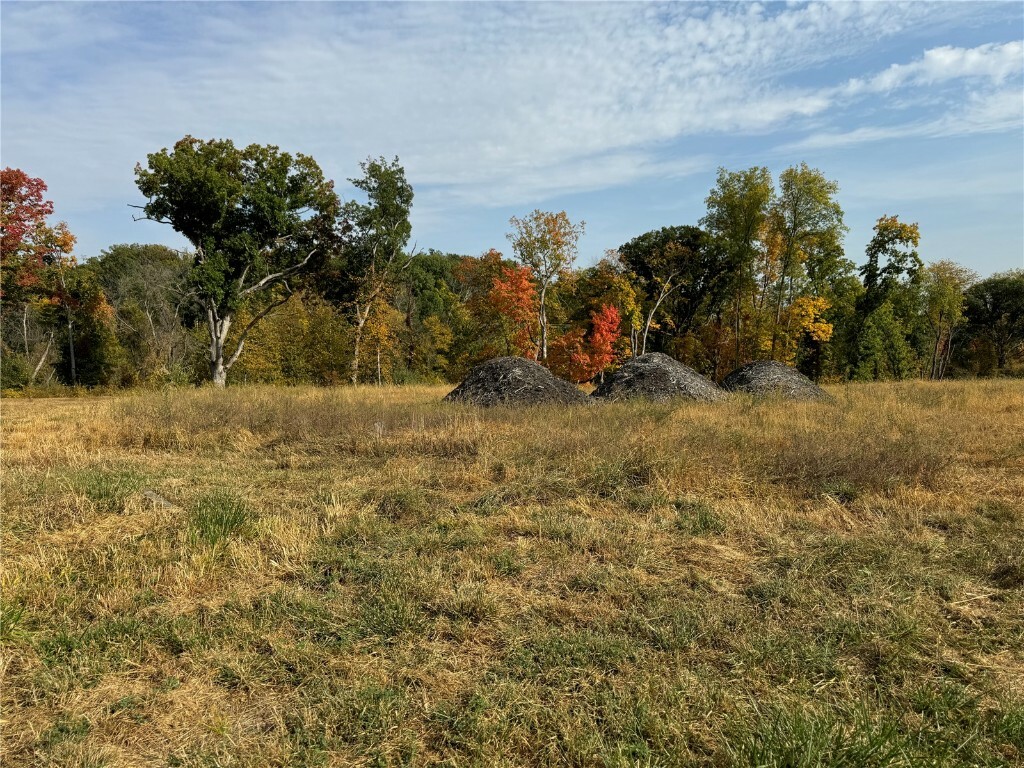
<point x="90" y="353"/>
<point x="377" y="231"/>
<point x="256" y="217"/>
<point x="995" y="315"/>
<point x="737" y="212"/>
<point x="147" y="285"/>
<point x="428" y="300"/>
<point x="892" y="285"/>
<point x="682" y="271"/>
<point x="943" y="289"/>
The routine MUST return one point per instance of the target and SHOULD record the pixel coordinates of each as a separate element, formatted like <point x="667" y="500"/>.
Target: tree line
<point x="284" y="282"/>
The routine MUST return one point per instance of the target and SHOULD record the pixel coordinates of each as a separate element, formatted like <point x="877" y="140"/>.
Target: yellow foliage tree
<point x="803" y="318"/>
<point x="381" y="342"/>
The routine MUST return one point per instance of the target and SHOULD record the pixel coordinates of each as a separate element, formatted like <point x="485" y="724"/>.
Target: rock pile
<point x="514" y="381"/>
<point x="657" y="377"/>
<point x="768" y="378"/>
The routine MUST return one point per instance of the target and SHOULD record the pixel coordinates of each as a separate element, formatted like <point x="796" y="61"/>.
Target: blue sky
<point x="618" y="113"/>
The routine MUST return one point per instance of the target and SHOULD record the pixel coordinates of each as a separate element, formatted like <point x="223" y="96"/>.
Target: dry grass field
<point x="320" y="577"/>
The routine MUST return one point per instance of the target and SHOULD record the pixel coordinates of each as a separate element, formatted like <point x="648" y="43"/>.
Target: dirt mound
<point x="765" y="378"/>
<point x="657" y="377"/>
<point x="514" y="381"/>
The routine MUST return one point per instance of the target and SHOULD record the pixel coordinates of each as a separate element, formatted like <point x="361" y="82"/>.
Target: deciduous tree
<point x="995" y="314"/>
<point x="374" y="255"/>
<point x="892" y="279"/>
<point x="737" y="212"/>
<point x="147" y="286"/>
<point x="546" y="244"/>
<point x="514" y="299"/>
<point x="809" y="224"/>
<point x="580" y="354"/>
<point x="943" y="291"/>
<point x="256" y="217"/>
<point x="680" y="269"/>
<point x="31" y="249"/>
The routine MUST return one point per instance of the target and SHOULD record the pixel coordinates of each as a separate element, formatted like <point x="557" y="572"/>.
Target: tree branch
<point x="249" y="326"/>
<point x="146" y="218"/>
<point x="277" y="276"/>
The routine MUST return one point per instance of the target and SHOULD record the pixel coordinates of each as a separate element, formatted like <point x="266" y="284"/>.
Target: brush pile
<point x="657" y="377"/>
<point x="768" y="378"/>
<point x="514" y="381"/>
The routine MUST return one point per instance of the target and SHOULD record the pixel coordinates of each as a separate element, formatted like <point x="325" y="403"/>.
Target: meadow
<point x="365" y="576"/>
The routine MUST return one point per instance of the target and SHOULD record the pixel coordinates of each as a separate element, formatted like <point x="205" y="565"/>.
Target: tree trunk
<point x="378" y="366"/>
<point x="647" y="328"/>
<point x="218" y="373"/>
<point x="775" y="325"/>
<point x="665" y="291"/>
<point x="933" y="369"/>
<point x="39" y="365"/>
<point x="410" y="351"/>
<point x="24" y="327"/>
<point x="543" y="317"/>
<point x="361" y="318"/>
<point x="736" y="328"/>
<point x="778" y="304"/>
<point x="71" y="349"/>
<point x="218" y="328"/>
<point x="947" y="356"/>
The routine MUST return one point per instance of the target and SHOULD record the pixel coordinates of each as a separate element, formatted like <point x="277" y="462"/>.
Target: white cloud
<point x="486" y="104"/>
<point x="991" y="61"/>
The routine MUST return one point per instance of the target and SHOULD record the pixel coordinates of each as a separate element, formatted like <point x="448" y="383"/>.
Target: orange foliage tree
<point x="513" y="296"/>
<point x="546" y="244"/>
<point x="580" y="355"/>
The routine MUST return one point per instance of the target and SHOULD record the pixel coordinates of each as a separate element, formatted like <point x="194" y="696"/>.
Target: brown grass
<point x="366" y="576"/>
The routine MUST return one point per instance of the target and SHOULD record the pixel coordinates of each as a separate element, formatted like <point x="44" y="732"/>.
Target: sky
<point x="618" y="113"/>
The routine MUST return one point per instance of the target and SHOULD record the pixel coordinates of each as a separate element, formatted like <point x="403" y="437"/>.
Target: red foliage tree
<point x="580" y="355"/>
<point x="513" y="296"/>
<point x="604" y="333"/>
<point x="27" y="243"/>
<point x="34" y="257"/>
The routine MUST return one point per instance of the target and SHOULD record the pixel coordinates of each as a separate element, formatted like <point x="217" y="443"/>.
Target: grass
<point x="277" y="577"/>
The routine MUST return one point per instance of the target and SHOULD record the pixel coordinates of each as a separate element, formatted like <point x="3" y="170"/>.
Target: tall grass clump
<point x="108" y="490"/>
<point x="218" y="516"/>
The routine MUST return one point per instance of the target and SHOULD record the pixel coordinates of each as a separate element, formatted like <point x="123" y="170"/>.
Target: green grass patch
<point x="219" y="516"/>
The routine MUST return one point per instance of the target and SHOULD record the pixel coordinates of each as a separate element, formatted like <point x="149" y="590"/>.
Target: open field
<point x="366" y="576"/>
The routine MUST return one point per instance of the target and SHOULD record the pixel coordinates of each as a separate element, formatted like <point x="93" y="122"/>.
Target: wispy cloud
<point x="486" y="104"/>
<point x="976" y="98"/>
<point x="991" y="61"/>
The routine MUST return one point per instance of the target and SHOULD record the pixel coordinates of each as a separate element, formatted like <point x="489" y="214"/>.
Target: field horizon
<point x="367" y="576"/>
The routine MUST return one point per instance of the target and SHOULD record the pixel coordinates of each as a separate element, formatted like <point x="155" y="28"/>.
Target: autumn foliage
<point x="581" y="354"/>
<point x="28" y="243"/>
<point x="513" y="297"/>
<point x="765" y="276"/>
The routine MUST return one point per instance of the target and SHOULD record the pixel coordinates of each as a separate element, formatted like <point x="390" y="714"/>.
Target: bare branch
<point x="277" y="277"/>
<point x="146" y="218"/>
